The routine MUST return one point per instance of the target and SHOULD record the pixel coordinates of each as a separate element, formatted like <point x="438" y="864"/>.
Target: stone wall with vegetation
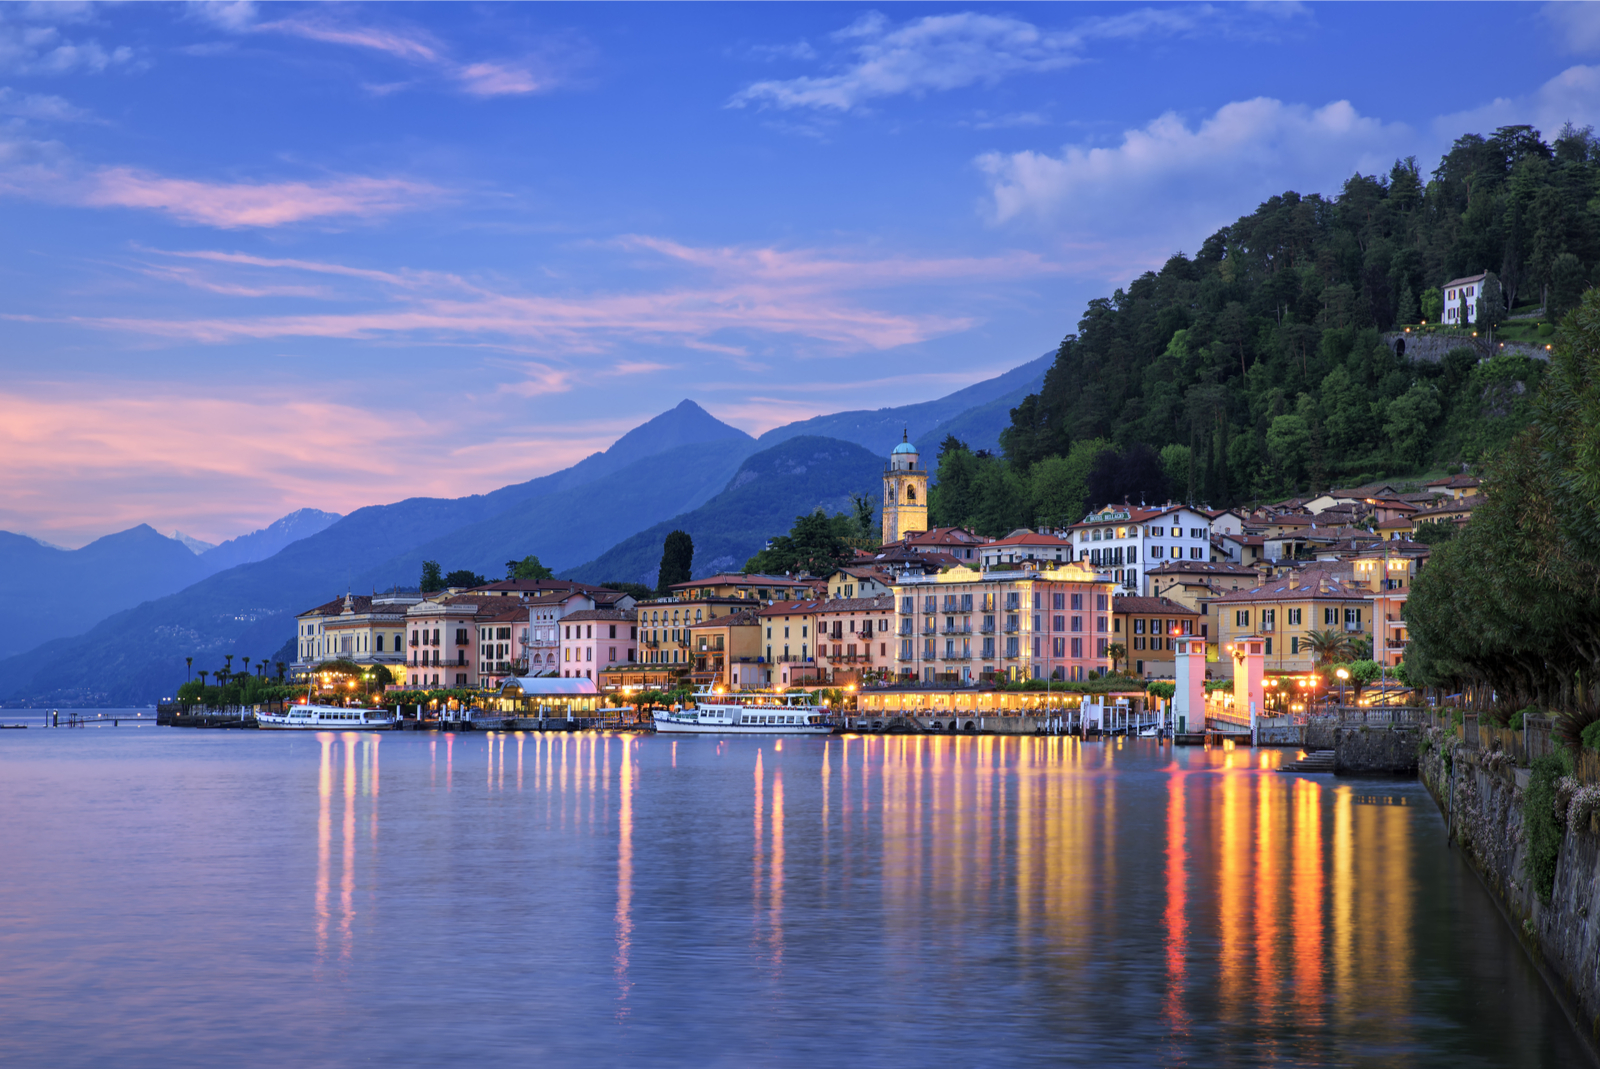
<point x="1533" y="834"/>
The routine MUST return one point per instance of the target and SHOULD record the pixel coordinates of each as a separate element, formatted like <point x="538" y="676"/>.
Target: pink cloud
<point x="86" y="462"/>
<point x="233" y="205"/>
<point x="802" y="294"/>
<point x="496" y="79"/>
<point x="483" y="78"/>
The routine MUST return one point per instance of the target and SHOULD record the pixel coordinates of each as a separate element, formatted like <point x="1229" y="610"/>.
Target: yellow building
<point x="734" y="586"/>
<point x="1283" y="612"/>
<point x="905" y="494"/>
<point x="366" y="629"/>
<point x="1148" y="629"/>
<point x="1033" y="620"/>
<point x="726" y="651"/>
<point x="1387" y="577"/>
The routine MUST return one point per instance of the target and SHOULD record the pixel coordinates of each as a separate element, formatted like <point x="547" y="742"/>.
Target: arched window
<point x="911" y="494"/>
<point x="891" y="495"/>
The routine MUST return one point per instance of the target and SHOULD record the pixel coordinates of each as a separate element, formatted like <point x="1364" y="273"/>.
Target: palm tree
<point x="189" y="662"/>
<point x="281" y="667"/>
<point x="1117" y="651"/>
<point x="1328" y="645"/>
<point x="229" y="658"/>
<point x="247" y="666"/>
<point x="202" y="674"/>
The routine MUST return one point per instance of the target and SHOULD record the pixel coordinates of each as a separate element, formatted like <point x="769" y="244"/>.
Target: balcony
<point x="904" y="657"/>
<point x="986" y="629"/>
<point x="957" y="656"/>
<point x="956" y="631"/>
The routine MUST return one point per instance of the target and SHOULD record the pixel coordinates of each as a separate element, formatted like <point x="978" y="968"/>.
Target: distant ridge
<point x="880" y="430"/>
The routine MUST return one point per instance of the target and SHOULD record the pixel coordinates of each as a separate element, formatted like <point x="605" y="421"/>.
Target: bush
<point x="1546" y="330"/>
<point x="1591" y="736"/>
<point x="1162" y="690"/>
<point x="1542" y="824"/>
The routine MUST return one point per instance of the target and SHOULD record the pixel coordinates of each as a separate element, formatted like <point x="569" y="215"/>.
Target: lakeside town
<point x="1318" y="581"/>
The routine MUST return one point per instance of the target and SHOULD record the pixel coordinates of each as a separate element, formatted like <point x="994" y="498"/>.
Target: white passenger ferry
<point x="750" y="713"/>
<point x="325" y="718"/>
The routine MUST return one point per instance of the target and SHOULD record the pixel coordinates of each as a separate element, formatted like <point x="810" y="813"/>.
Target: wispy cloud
<point x="409" y="45"/>
<point x="877" y="58"/>
<point x="717" y="299"/>
<point x="265" y="204"/>
<point x="48" y="171"/>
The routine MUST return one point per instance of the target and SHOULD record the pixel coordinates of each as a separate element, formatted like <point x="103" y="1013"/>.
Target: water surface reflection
<point x="598" y="899"/>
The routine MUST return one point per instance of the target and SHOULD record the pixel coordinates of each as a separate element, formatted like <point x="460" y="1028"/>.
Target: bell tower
<point x="905" y="493"/>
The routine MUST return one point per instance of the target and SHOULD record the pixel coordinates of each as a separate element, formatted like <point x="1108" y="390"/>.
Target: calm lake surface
<point x="241" y="898"/>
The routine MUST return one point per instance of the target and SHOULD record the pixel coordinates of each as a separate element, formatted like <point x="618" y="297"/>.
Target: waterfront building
<point x="1015" y="621"/>
<point x="443" y="640"/>
<point x="547" y="607"/>
<point x="498" y="634"/>
<point x="1149" y="628"/>
<point x="788" y="641"/>
<point x="593" y="640"/>
<point x="726" y="650"/>
<point x="1125" y="542"/>
<point x="852" y="639"/>
<point x="664" y="626"/>
<point x="1283" y="611"/>
<point x="905" y="493"/>
<point x="365" y="629"/>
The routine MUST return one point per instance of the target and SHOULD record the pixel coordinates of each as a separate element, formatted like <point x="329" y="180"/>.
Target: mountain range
<point x="684" y="468"/>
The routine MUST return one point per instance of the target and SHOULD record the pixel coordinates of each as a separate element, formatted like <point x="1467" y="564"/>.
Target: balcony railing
<point x="956" y="631"/>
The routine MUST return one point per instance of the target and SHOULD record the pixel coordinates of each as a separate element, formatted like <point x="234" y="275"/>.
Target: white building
<point x="1463" y="289"/>
<point x="1127" y="542"/>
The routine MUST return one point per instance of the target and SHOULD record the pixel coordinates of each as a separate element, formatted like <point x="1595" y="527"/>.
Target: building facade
<point x="1034" y="621"/>
<point x="1126" y="542"/>
<point x="1148" y="629"/>
<point x="593" y="640"/>
<point x="1283" y="613"/>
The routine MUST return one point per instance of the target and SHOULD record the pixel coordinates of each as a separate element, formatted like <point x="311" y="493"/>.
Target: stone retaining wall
<point x="1366" y="750"/>
<point x="1433" y="347"/>
<point x="1480" y="793"/>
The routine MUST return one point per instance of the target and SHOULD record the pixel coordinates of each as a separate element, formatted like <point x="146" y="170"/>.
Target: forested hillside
<point x="1256" y="367"/>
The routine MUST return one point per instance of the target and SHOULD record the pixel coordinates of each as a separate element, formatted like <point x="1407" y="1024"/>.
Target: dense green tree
<point x="432" y="577"/>
<point x="464" y="577"/>
<point x="817" y="544"/>
<point x="677" y="561"/>
<point x="528" y="568"/>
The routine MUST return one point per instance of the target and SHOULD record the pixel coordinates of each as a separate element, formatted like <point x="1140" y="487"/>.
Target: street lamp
<point x="1343" y="674"/>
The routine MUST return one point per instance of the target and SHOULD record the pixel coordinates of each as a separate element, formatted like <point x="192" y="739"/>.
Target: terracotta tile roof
<point x="1144" y="606"/>
<point x="1201" y="567"/>
<point x="1291" y="588"/>
<point x="880" y="603"/>
<point x="742" y="618"/>
<point x="1029" y="538"/>
<point x="599" y="614"/>
<point x="793" y="608"/>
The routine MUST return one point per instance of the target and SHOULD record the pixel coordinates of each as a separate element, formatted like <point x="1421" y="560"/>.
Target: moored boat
<point x="325" y="718"/>
<point x="747" y="713"/>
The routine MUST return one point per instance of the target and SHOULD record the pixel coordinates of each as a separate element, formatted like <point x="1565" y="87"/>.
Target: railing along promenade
<point x="1522" y="746"/>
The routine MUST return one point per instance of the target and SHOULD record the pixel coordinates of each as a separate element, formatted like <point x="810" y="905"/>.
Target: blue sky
<point x="260" y="257"/>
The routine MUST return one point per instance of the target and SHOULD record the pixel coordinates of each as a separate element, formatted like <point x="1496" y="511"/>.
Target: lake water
<point x="200" y="898"/>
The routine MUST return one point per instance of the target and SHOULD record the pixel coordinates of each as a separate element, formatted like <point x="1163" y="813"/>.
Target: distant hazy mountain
<point x="880" y="430"/>
<point x="762" y="499"/>
<point x="137" y="655"/>
<point x="66" y="591"/>
<point x="259" y="545"/>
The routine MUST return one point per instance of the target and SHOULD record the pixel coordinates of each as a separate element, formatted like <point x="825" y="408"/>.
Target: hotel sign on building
<point x="1038" y="620"/>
